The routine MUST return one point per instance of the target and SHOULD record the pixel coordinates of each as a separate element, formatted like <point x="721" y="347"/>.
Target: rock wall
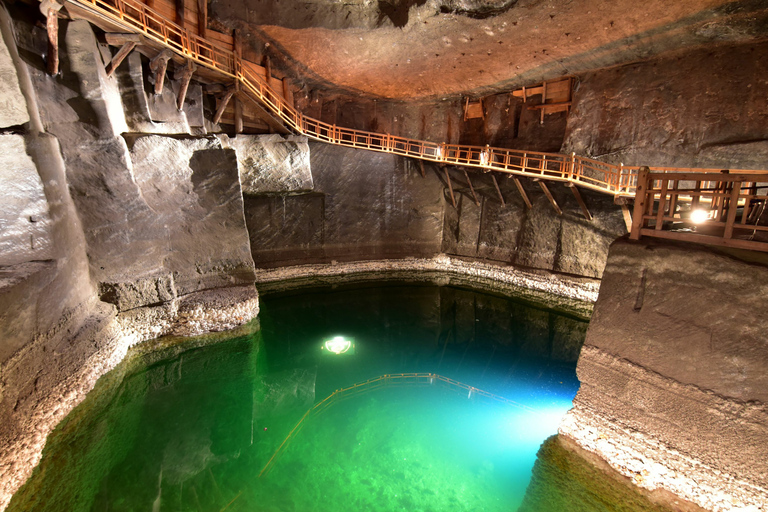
<point x="704" y="108"/>
<point x="101" y="245"/>
<point x="369" y="205"/>
<point x="673" y="373"/>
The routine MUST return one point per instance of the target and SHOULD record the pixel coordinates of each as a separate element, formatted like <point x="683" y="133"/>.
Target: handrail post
<point x="641" y="196"/>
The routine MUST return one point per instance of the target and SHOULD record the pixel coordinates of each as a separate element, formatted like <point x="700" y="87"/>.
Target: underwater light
<point x="339" y="345"/>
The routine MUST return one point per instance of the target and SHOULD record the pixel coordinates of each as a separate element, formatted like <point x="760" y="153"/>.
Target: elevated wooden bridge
<point x="665" y="198"/>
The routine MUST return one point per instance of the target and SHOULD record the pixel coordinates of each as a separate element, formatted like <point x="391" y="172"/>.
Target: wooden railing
<point x="618" y="180"/>
<point x="384" y="381"/>
<point x="722" y="209"/>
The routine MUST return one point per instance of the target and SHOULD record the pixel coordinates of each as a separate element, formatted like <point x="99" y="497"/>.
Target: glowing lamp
<point x="338" y="345"/>
<point x="699" y="216"/>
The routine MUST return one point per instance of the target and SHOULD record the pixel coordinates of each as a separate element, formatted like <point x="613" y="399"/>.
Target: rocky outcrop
<point x="272" y="164"/>
<point x="673" y="374"/>
<point x="701" y="110"/>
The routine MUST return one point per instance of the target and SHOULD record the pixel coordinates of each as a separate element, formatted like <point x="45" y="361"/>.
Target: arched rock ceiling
<point x="447" y="48"/>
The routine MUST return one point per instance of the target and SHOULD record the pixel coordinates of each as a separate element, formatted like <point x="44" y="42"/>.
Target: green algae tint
<point x="191" y="426"/>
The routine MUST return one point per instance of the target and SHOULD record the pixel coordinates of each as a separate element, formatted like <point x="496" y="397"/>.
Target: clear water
<point x="191" y="428"/>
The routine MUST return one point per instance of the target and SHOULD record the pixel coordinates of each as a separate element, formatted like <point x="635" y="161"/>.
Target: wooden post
<point x="733" y="204"/>
<point x="223" y="105"/>
<point x="522" y="191"/>
<point x="471" y="188"/>
<point x="580" y="200"/>
<point x="662" y="205"/>
<point x="237" y="44"/>
<point x="549" y="195"/>
<point x="121" y="54"/>
<point x="202" y="18"/>
<point x="267" y="68"/>
<point x="498" y="190"/>
<point x="158" y="66"/>
<point x="627" y="217"/>
<point x="450" y="187"/>
<point x="51" y="11"/>
<point x="641" y="198"/>
<point x="186" y="77"/>
<point x="421" y="168"/>
<point x="180" y="13"/>
<point x="238" y="115"/>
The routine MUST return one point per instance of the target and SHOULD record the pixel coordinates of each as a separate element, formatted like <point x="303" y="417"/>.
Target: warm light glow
<point x="699" y="216"/>
<point x="338" y="345"/>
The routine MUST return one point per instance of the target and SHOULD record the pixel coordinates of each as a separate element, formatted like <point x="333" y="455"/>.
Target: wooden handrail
<point x="618" y="180"/>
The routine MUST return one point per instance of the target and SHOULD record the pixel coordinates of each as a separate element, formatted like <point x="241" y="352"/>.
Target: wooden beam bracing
<point x="52" y="27"/>
<point x="450" y="186"/>
<point x="158" y="66"/>
<point x="522" y="191"/>
<point x="627" y="217"/>
<point x="238" y="115"/>
<point x="580" y="200"/>
<point x="421" y="169"/>
<point x="121" y="54"/>
<point x="262" y="114"/>
<point x="120" y="38"/>
<point x="186" y="77"/>
<point x="202" y="18"/>
<point x="498" y="190"/>
<point x="223" y="104"/>
<point x="549" y="195"/>
<point x="471" y="188"/>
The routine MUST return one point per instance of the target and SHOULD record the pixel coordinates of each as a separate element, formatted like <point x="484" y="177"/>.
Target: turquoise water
<point x="193" y="427"/>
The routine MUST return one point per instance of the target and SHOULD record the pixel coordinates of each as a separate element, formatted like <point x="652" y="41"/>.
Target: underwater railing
<point x="384" y="381"/>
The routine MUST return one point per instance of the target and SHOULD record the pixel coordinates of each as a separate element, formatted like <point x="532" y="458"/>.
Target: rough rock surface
<point x="673" y="373"/>
<point x="13" y="105"/>
<point x="706" y="108"/>
<point x="272" y="164"/>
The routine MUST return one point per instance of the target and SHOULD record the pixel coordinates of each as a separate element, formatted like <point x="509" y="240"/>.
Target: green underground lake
<point x="370" y="397"/>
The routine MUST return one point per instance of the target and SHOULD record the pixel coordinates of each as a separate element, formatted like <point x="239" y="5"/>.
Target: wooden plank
<point x="580" y="200"/>
<point x="202" y="18"/>
<point x="498" y="190"/>
<point x="471" y="188"/>
<point x="662" y="205"/>
<point x="288" y="92"/>
<point x="114" y="39"/>
<point x="121" y="54"/>
<point x="641" y="198"/>
<point x="549" y="195"/>
<point x="707" y="239"/>
<point x="522" y="191"/>
<point x="450" y="186"/>
<point x="180" y="18"/>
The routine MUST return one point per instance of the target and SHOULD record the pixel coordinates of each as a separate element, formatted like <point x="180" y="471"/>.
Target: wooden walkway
<point x="219" y="57"/>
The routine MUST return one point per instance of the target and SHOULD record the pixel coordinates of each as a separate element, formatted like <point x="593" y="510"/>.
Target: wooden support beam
<point x="121" y="54"/>
<point x="627" y="217"/>
<point x="158" y="66"/>
<point x="202" y="18"/>
<point x="580" y="200"/>
<point x="450" y="186"/>
<point x="498" y="190"/>
<point x="471" y="188"/>
<point x="421" y="168"/>
<point x="237" y="44"/>
<point x="52" y="27"/>
<point x="179" y="4"/>
<point x="641" y="197"/>
<point x="547" y="193"/>
<point x="267" y="68"/>
<point x="120" y="38"/>
<point x="186" y="77"/>
<point x="238" y="115"/>
<point x="522" y="191"/>
<point x="223" y="104"/>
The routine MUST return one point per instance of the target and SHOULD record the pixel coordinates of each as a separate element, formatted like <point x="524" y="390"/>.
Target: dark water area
<point x="196" y="426"/>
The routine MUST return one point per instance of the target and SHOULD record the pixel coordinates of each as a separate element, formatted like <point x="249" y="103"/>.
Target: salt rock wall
<point x="102" y="245"/>
<point x="367" y="205"/>
<point x="673" y="373"/>
<point x="706" y="108"/>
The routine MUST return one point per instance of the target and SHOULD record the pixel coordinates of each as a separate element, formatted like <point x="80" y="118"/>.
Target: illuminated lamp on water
<point x="339" y="345"/>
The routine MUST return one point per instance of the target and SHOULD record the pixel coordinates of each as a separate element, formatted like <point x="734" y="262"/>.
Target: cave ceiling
<point x="406" y="49"/>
